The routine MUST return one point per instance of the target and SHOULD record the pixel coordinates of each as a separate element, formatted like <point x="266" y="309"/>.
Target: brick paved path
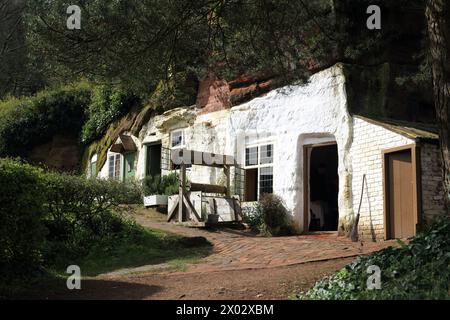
<point x="234" y="249"/>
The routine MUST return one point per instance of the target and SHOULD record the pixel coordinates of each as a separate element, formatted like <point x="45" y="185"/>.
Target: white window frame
<point x="183" y="139"/>
<point x="115" y="155"/>
<point x="258" y="166"/>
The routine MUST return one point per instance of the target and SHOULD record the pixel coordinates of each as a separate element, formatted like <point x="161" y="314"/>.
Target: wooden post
<point x="181" y="191"/>
<point x="227" y="174"/>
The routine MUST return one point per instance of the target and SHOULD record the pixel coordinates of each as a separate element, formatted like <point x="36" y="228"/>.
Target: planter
<point x="213" y="219"/>
<point x="155" y="200"/>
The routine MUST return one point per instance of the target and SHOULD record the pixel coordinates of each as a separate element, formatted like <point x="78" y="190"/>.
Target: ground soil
<point x="259" y="284"/>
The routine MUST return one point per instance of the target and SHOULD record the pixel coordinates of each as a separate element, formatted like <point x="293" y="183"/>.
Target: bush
<point x="107" y="105"/>
<point x="418" y="270"/>
<point x="22" y="235"/>
<point x="27" y="122"/>
<point x="167" y="185"/>
<point x="270" y="217"/>
<point x="47" y="216"/>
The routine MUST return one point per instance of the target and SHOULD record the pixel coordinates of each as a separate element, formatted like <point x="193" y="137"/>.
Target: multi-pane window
<point x="114" y="166"/>
<point x="177" y="139"/>
<point x="259" y="171"/>
<point x="177" y="142"/>
<point x="266" y="154"/>
<point x="251" y="156"/>
<point x="265" y="180"/>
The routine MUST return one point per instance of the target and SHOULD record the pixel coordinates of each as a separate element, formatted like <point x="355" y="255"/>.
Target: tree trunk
<point x="438" y="21"/>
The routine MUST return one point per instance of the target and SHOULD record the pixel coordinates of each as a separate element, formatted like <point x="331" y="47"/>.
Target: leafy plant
<point x="107" y="105"/>
<point x="22" y="234"/>
<point x="45" y="216"/>
<point x="167" y="185"/>
<point x="418" y="270"/>
<point x="27" y="122"/>
<point x="270" y="217"/>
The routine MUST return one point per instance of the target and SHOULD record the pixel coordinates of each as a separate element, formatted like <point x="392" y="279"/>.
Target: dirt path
<point x="260" y="284"/>
<point x="241" y="266"/>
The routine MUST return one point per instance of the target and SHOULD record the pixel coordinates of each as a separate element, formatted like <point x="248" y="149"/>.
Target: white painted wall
<point x="289" y="117"/>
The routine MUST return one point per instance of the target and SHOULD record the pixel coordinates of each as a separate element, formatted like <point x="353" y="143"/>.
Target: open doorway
<point x="321" y="187"/>
<point x="153" y="161"/>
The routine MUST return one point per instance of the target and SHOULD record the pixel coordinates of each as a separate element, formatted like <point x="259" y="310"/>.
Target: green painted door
<point x="93" y="169"/>
<point x="153" y="164"/>
<point x="129" y="167"/>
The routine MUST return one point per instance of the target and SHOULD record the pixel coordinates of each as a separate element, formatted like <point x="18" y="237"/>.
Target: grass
<point x="157" y="250"/>
<point x="146" y="247"/>
<point x="152" y="247"/>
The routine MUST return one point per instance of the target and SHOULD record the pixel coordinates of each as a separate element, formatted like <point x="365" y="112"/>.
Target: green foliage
<point x="418" y="270"/>
<point x="270" y="217"/>
<point x="27" y="122"/>
<point x="22" y="234"/>
<point x="46" y="216"/>
<point x="167" y="185"/>
<point x="107" y="105"/>
<point x="135" y="246"/>
<point x="253" y="218"/>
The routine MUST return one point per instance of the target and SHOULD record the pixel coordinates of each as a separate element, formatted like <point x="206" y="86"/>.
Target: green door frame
<point x="147" y="146"/>
<point x="128" y="175"/>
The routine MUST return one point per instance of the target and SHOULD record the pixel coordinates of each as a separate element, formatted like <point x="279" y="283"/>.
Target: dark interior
<point x="154" y="160"/>
<point x="251" y="185"/>
<point x="324" y="188"/>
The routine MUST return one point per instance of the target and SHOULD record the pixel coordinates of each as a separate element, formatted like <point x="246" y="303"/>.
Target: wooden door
<point x="400" y="176"/>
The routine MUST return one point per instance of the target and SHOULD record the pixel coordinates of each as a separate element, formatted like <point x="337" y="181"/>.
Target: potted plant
<point x="157" y="189"/>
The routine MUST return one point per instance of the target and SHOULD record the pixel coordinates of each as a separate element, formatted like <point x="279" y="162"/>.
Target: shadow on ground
<point x="95" y="289"/>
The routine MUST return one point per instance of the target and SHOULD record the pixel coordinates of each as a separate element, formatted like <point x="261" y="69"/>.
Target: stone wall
<point x="366" y="151"/>
<point x="432" y="189"/>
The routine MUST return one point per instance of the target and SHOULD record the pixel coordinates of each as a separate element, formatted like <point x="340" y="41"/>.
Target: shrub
<point x="107" y="105"/>
<point x="47" y="216"/>
<point x="22" y="234"/>
<point x="167" y="185"/>
<point x="253" y="218"/>
<point x="27" y="122"/>
<point x="276" y="218"/>
<point x="270" y="217"/>
<point x="418" y="270"/>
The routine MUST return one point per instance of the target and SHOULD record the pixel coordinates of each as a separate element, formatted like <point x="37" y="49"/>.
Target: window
<point x="114" y="164"/>
<point x="93" y="167"/>
<point x="259" y="171"/>
<point x="177" y="142"/>
<point x="177" y="139"/>
<point x="251" y="156"/>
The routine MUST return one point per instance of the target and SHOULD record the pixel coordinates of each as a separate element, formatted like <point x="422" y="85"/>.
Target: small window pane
<point x="117" y="166"/>
<point x="177" y="138"/>
<point x="111" y="167"/>
<point x="265" y="180"/>
<point x="251" y="156"/>
<point x="266" y="154"/>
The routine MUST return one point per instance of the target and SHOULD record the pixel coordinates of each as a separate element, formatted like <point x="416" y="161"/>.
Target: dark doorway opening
<point x="323" y="188"/>
<point x="153" y="163"/>
<point x="251" y="184"/>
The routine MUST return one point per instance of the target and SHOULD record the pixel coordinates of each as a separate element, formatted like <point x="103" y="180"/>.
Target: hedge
<point x="48" y="216"/>
<point x="30" y="121"/>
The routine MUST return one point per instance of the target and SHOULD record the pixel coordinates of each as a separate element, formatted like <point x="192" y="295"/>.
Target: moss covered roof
<point x="411" y="130"/>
